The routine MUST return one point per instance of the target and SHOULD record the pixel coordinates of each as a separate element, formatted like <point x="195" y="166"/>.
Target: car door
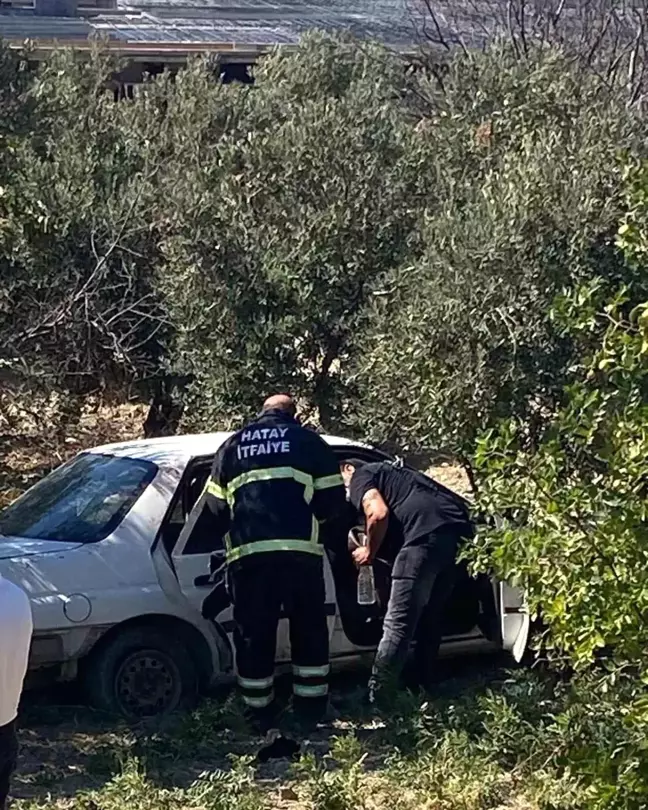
<point x="515" y="622"/>
<point x="357" y="627"/>
<point x="192" y="544"/>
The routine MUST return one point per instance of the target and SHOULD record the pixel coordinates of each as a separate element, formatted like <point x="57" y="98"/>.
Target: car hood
<point x="13" y="547"/>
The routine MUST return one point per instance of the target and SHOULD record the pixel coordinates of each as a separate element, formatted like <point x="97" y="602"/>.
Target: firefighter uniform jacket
<point x="271" y="486"/>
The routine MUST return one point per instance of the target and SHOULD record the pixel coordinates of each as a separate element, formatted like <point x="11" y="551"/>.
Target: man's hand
<point x="362" y="556"/>
<point x="376" y="519"/>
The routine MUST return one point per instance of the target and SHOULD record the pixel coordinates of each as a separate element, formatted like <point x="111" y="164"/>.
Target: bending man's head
<point x="280" y="402"/>
<point x="348" y="468"/>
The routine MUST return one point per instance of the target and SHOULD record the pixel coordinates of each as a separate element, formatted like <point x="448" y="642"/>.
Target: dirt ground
<point x="452" y="476"/>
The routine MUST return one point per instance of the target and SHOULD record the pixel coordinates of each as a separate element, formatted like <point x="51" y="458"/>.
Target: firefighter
<point x="418" y="526"/>
<point x="271" y="486"/>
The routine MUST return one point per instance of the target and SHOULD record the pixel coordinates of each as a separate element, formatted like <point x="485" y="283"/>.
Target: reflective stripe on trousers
<point x="257" y="693"/>
<point x="310" y="681"/>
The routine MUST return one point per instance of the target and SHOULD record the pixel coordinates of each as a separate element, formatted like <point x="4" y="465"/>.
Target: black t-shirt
<point x="418" y="506"/>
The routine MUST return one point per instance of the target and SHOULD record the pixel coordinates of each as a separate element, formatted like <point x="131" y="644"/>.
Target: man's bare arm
<point x="376" y="519"/>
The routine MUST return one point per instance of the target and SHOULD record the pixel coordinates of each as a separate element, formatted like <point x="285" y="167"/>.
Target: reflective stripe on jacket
<point x="271" y="485"/>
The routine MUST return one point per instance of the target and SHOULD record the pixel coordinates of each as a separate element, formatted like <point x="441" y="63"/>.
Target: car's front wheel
<point x="140" y="672"/>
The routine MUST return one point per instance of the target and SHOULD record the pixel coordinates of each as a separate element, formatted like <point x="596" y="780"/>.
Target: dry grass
<point x="451" y="475"/>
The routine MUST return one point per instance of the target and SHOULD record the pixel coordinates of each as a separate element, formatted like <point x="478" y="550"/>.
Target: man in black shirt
<point x="417" y="525"/>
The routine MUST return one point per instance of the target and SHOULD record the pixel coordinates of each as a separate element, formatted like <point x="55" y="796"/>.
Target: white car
<point x="117" y="587"/>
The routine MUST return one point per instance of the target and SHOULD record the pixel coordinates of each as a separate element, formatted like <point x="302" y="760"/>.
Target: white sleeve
<point x="16" y="627"/>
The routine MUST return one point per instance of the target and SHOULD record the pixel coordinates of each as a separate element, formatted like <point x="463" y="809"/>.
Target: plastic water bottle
<point x="366" y="586"/>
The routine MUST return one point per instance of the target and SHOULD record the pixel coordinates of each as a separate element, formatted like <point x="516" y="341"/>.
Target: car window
<point x="194" y="487"/>
<point x="83" y="501"/>
<point x="191" y="490"/>
<point x="202" y="539"/>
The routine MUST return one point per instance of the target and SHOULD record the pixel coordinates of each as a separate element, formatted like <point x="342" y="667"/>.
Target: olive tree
<point x="78" y="241"/>
<point x="523" y="199"/>
<point x="292" y="203"/>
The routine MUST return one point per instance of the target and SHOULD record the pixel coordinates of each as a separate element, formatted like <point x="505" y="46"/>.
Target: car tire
<point x="140" y="673"/>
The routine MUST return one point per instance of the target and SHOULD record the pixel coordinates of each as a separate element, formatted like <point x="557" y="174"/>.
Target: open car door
<point x="192" y="551"/>
<point x="188" y="539"/>
<point x="515" y="621"/>
<point x="174" y="579"/>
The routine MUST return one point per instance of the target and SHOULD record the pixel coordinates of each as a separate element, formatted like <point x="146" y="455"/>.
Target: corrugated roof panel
<point x="395" y="22"/>
<point x="219" y="31"/>
<point x="17" y="25"/>
<point x="366" y="17"/>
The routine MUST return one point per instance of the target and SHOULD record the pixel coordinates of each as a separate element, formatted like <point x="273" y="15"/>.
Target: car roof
<point x="173" y="450"/>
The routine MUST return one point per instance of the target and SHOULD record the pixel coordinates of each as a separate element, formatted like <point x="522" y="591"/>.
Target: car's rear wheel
<point x="140" y="673"/>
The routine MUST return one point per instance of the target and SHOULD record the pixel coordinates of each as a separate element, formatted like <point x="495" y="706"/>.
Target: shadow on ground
<point x="68" y="748"/>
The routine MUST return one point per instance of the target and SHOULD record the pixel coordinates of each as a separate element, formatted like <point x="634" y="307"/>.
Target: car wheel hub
<point x="147" y="684"/>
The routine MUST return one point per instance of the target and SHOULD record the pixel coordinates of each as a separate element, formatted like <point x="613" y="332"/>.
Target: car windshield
<point x="83" y="501"/>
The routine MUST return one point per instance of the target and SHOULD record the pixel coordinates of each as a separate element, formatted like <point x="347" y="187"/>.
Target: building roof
<point x="215" y="24"/>
<point x="247" y="28"/>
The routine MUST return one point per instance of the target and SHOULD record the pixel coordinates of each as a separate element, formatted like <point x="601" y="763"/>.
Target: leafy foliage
<point x="294" y="206"/>
<point x="576" y="529"/>
<point x="448" y="260"/>
<point x="336" y="230"/>
<point x="76" y="199"/>
<point x="574" y="520"/>
<point x="525" y="200"/>
<point x="336" y="788"/>
<point x="519" y="740"/>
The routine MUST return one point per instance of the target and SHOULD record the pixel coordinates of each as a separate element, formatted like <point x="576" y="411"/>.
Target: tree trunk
<point x="167" y="406"/>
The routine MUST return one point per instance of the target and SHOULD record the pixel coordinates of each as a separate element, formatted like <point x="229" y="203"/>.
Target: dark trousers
<point x="8" y="756"/>
<point x="262" y="591"/>
<point x="422" y="582"/>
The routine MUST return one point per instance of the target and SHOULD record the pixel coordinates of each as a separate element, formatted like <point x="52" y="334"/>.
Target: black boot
<point x="278" y="747"/>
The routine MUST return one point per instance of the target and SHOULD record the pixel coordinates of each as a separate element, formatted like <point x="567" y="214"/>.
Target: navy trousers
<point x="274" y="585"/>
